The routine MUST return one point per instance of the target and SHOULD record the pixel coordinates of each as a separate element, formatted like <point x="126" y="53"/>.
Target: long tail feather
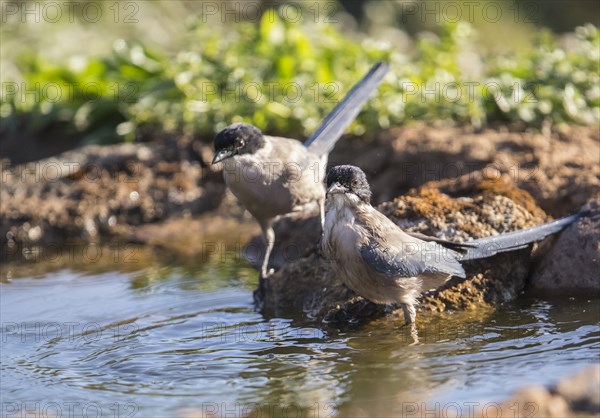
<point x="489" y="246"/>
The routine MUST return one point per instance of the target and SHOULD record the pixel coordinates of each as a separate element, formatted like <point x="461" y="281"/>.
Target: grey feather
<point x="336" y="123"/>
<point x="511" y="241"/>
<point x="456" y="246"/>
<point x="388" y="264"/>
<point x="395" y="264"/>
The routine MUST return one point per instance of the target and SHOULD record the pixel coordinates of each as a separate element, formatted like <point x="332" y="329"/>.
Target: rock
<point x="308" y="287"/>
<point x="581" y="391"/>
<point x="305" y="287"/>
<point x="535" y="401"/>
<point x="571" y="266"/>
<point x="576" y="395"/>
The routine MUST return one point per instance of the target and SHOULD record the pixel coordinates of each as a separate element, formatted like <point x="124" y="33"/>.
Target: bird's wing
<point x="334" y="125"/>
<point x="397" y="254"/>
<point x="511" y="241"/>
<point x="456" y="246"/>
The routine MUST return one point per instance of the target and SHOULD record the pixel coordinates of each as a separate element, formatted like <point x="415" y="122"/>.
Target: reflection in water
<point x="162" y="338"/>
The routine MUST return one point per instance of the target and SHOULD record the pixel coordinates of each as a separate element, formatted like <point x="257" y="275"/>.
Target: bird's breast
<point x="271" y="182"/>
<point x="341" y="235"/>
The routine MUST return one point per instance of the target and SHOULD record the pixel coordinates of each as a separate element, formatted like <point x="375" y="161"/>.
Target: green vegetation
<point x="285" y="77"/>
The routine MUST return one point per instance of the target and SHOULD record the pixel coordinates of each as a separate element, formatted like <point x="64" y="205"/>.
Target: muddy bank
<point x="165" y="193"/>
<point x="95" y="193"/>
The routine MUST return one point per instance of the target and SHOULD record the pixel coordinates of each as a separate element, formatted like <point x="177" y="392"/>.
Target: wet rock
<point x="309" y="287"/>
<point x="571" y="266"/>
<point x="303" y="287"/>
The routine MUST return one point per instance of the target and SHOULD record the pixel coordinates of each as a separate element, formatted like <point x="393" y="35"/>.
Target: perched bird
<point x="273" y="176"/>
<point x="384" y="264"/>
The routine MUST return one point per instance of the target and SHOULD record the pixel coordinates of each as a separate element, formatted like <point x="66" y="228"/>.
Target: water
<point x="152" y="340"/>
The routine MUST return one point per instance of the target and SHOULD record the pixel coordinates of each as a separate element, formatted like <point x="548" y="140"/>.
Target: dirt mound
<point x="560" y="168"/>
<point x="98" y="192"/>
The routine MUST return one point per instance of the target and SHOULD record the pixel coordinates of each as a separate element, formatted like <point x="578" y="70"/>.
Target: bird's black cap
<point x="239" y="138"/>
<point x="351" y="179"/>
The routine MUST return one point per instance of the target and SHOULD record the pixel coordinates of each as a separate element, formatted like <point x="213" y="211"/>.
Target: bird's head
<point x="237" y="139"/>
<point x="348" y="180"/>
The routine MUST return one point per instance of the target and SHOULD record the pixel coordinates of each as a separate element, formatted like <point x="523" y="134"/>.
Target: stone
<point x="582" y="390"/>
<point x="572" y="265"/>
<point x="577" y="395"/>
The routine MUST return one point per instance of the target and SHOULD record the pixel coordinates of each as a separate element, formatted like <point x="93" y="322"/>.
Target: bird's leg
<point x="414" y="334"/>
<point x="410" y="313"/>
<point x="322" y="218"/>
<point x="269" y="234"/>
<point x="322" y="215"/>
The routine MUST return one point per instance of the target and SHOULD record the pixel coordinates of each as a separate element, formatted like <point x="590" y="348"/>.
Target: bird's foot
<point x="409" y="324"/>
<point x="413" y="333"/>
<point x="259" y="293"/>
<point x="410" y="313"/>
<point x="265" y="274"/>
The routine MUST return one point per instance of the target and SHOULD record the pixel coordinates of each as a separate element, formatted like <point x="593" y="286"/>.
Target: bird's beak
<point x="223" y="155"/>
<point x="336" y="188"/>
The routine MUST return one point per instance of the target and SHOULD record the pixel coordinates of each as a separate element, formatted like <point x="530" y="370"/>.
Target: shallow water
<point x="129" y="341"/>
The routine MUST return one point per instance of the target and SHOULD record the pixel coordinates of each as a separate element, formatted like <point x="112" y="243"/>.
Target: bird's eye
<point x="239" y="143"/>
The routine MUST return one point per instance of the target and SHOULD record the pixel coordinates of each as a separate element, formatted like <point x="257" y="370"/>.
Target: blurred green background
<point x="103" y="72"/>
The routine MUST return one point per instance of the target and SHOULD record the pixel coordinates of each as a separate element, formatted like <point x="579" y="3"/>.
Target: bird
<point x="274" y="176"/>
<point x="386" y="265"/>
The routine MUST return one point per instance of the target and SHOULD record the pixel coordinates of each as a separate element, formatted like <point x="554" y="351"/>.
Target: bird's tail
<point x="489" y="246"/>
<point x="334" y="125"/>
